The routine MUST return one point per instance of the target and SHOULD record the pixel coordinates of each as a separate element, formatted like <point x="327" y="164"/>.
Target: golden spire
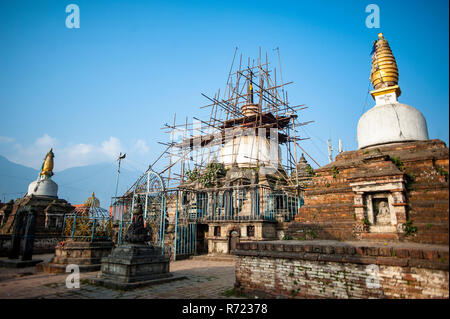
<point x="47" y="166"/>
<point x="384" y="74"/>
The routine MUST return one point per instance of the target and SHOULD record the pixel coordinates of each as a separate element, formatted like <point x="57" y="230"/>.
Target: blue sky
<point x="110" y="85"/>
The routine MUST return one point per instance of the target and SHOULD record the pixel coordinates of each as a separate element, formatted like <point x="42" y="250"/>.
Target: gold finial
<point x="384" y="71"/>
<point x="92" y="201"/>
<point x="47" y="166"/>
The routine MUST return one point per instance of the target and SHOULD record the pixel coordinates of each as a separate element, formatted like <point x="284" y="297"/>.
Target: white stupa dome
<point x="390" y="123"/>
<point x="249" y="151"/>
<point x="43" y="187"/>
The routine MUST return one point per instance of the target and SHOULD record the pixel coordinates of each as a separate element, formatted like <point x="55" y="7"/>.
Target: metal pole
<point x="74" y="223"/>
<point x="93" y="229"/>
<point x="176" y="231"/>
<point x="121" y="157"/>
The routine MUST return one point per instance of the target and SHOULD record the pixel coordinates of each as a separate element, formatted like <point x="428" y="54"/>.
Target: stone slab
<point x="224" y="257"/>
<point x="17" y="263"/>
<point x="129" y="286"/>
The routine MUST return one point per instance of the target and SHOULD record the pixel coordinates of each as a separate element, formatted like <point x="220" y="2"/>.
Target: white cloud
<point x="141" y="146"/>
<point x="5" y="139"/>
<point x="46" y="141"/>
<point x="72" y="155"/>
<point x="111" y="147"/>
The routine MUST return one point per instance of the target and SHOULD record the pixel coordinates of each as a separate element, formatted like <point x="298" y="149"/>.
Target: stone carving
<point x="383" y="216"/>
<point x="24" y="227"/>
<point x="137" y="232"/>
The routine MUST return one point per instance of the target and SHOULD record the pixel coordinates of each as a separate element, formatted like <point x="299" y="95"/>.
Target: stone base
<point x="133" y="285"/>
<point x="81" y="253"/>
<point x="52" y="268"/>
<point x="17" y="263"/>
<point x="134" y="263"/>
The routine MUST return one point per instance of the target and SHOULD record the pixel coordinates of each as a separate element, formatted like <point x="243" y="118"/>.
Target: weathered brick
<point x="392" y="261"/>
<point x="372" y="251"/>
<point x="350" y="250"/>
<point x="401" y="252"/>
<point x="308" y="248"/>
<point x="430" y="254"/>
<point x="416" y="253"/>
<point x="298" y="248"/>
<point x="385" y="251"/>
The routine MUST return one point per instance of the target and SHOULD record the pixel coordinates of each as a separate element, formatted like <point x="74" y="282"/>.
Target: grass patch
<point x="397" y="162"/>
<point x="335" y="171"/>
<point x="233" y="292"/>
<point x="410" y="229"/>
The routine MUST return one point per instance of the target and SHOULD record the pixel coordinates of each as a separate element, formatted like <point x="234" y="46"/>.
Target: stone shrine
<point x="87" y="239"/>
<point x="135" y="263"/>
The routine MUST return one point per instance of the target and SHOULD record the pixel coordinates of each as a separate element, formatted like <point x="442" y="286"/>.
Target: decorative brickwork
<point x="343" y="200"/>
<point x="330" y="269"/>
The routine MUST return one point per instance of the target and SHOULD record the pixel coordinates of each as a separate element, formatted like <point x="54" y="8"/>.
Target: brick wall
<point x="43" y="244"/>
<point x="325" y="269"/>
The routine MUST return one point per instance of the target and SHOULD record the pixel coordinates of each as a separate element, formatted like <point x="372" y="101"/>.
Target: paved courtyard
<point x="205" y="279"/>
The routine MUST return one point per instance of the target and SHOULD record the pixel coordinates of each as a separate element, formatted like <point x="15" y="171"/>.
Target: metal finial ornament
<point x="384" y="71"/>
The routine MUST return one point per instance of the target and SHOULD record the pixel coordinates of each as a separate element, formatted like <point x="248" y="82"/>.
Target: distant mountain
<point x="14" y="179"/>
<point x="75" y="184"/>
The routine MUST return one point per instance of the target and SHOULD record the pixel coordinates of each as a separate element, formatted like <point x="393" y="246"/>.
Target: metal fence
<point x="234" y="204"/>
<point x="88" y="224"/>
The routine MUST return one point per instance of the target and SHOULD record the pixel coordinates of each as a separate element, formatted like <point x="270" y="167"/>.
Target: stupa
<point x="395" y="186"/>
<point x="42" y="197"/>
<point x="389" y="121"/>
<point x="44" y="185"/>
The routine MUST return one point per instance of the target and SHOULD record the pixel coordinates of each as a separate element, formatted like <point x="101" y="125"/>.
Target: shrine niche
<point x="54" y="216"/>
<point x="379" y="197"/>
<point x="380" y="212"/>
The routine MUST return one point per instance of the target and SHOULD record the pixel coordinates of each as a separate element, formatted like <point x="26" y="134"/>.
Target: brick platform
<point x="332" y="269"/>
<point x="413" y="176"/>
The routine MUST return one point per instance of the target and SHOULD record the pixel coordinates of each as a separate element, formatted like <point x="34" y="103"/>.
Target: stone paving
<point x="205" y="279"/>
